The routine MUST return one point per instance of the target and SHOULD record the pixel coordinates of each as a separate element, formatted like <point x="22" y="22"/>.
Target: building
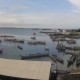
<point x="24" y="70"/>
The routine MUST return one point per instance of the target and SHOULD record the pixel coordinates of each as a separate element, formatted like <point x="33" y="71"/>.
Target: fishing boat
<point x="1" y="51"/>
<point x="20" y="47"/>
<point x="54" y="39"/>
<point x="11" y="40"/>
<point x="58" y="59"/>
<point x="19" y="41"/>
<point x="72" y="59"/>
<point x="71" y="41"/>
<point x="37" y="42"/>
<point x="60" y="47"/>
<point x="71" y="52"/>
<point x="33" y="38"/>
<point x="14" y="40"/>
<point x="62" y="39"/>
<point x="46" y="48"/>
<point x="55" y="58"/>
<point x="0" y="41"/>
<point x="78" y="61"/>
<point x="6" y="36"/>
<point x="36" y="55"/>
<point x="34" y="33"/>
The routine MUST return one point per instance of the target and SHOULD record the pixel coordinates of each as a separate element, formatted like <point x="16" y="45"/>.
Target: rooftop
<point x="39" y="70"/>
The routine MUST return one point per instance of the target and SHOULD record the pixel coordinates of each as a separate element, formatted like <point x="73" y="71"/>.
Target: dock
<point x="24" y="70"/>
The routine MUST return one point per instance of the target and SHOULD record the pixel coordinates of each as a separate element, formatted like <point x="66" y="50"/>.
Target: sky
<point x="43" y="12"/>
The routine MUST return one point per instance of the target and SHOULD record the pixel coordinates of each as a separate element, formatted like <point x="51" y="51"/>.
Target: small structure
<point x="25" y="70"/>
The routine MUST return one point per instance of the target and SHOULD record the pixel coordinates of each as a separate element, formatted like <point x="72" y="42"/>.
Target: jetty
<point x="35" y="55"/>
<point x="24" y="70"/>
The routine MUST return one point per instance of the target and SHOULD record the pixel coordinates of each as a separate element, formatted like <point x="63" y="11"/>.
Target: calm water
<point x="12" y="52"/>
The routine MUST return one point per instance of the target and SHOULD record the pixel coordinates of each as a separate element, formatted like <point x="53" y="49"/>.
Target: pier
<point x="24" y="70"/>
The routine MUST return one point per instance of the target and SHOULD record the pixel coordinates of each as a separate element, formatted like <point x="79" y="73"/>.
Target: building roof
<point x="25" y="69"/>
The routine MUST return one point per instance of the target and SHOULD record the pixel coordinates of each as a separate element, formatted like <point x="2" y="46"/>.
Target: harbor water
<point x="10" y="50"/>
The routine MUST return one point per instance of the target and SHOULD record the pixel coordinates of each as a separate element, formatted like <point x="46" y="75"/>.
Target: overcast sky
<point x="44" y="12"/>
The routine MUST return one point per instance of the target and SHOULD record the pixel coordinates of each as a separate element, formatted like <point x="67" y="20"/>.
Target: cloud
<point x="26" y="18"/>
<point x="76" y="4"/>
<point x="19" y="7"/>
<point x="43" y="19"/>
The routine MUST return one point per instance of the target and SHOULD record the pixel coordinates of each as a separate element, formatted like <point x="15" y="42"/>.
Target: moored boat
<point x="20" y="47"/>
<point x="0" y="40"/>
<point x="14" y="40"/>
<point x="31" y="56"/>
<point x="78" y="61"/>
<point x="55" y="58"/>
<point x="72" y="59"/>
<point x="33" y="38"/>
<point x="60" y="47"/>
<point x="37" y="42"/>
<point x="71" y="41"/>
<point x="1" y="51"/>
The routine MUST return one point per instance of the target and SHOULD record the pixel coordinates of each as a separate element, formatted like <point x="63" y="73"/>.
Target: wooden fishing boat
<point x="71" y="41"/>
<point x="78" y="61"/>
<point x="20" y="47"/>
<point x="33" y="38"/>
<point x="1" y="51"/>
<point x="72" y="59"/>
<point x="60" y="47"/>
<point x="0" y="41"/>
<point x="36" y="55"/>
<point x="55" y="58"/>
<point x="46" y="48"/>
<point x="14" y="40"/>
<point x="37" y="42"/>
<point x="62" y="39"/>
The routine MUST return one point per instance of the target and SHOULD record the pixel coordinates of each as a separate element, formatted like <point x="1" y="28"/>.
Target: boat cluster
<point x="69" y="41"/>
<point x="10" y="39"/>
<point x="73" y="51"/>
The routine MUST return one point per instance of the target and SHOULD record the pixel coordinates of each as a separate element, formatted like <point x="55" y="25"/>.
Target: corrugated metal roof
<point x="25" y="69"/>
